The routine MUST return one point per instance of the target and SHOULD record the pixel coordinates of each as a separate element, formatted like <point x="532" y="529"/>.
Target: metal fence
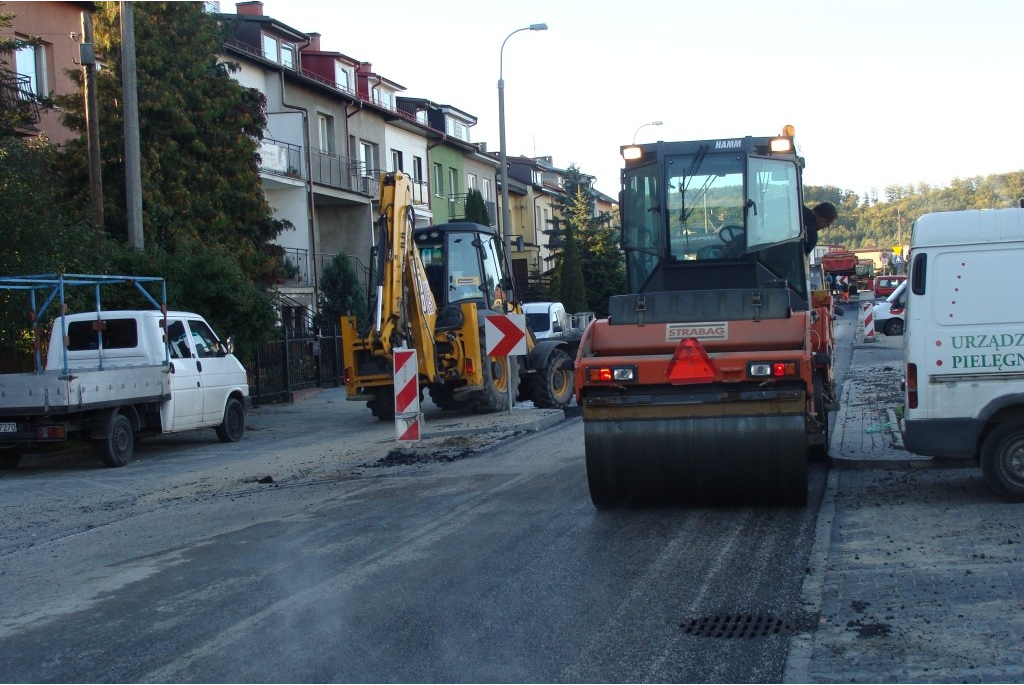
<point x="279" y="368"/>
<point x="276" y="370"/>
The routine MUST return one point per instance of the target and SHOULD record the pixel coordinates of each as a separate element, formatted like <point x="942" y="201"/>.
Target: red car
<point x="885" y="285"/>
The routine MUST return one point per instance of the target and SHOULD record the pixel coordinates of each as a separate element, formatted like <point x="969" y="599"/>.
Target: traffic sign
<point x="505" y="334"/>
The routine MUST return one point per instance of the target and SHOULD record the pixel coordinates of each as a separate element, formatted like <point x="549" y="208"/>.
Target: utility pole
<point x="92" y="125"/>
<point x="132" y="154"/>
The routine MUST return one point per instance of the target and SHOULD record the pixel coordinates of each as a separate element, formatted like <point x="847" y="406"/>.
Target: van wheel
<point x="894" y="327"/>
<point x="233" y="427"/>
<point x="118" y="445"/>
<point x="9" y="459"/>
<point x="1002" y="460"/>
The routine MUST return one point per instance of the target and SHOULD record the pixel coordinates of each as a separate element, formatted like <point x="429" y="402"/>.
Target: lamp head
<point x="538" y="27"/>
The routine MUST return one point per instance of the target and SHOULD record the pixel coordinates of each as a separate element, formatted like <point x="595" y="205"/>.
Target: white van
<point x="964" y="343"/>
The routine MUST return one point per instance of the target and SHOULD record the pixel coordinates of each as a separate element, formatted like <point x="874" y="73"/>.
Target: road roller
<point x="711" y="381"/>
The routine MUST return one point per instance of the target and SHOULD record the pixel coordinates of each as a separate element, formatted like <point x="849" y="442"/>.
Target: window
<point x="326" y="126"/>
<point x="453" y="181"/>
<point x="29" y="62"/>
<point x="457" y="129"/>
<point x="117" y="334"/>
<point x="486" y="191"/>
<point x="417" y="168"/>
<point x="270" y="47"/>
<point x="396" y="161"/>
<point x="342" y="79"/>
<point x="470" y="182"/>
<point x="383" y="98"/>
<point x="203" y="339"/>
<point x="288" y="56"/>
<point x="366" y="158"/>
<point x="438" y="180"/>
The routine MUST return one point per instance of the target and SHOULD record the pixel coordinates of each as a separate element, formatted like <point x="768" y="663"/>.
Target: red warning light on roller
<point x="690" y="364"/>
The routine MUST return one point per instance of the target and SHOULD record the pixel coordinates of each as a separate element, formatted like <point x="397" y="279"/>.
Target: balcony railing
<point x="17" y="100"/>
<point x="457" y="209"/>
<point x="281" y="159"/>
<point x="335" y="171"/>
<point x="297" y="267"/>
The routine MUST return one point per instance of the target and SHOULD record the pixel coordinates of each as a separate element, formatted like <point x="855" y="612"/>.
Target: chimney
<point x="314" y="42"/>
<point x="253" y="8"/>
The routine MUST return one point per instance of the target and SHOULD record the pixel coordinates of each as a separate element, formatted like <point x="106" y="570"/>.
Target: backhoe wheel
<point x="1002" y="460"/>
<point x="553" y="385"/>
<point x="498" y="372"/>
<point x="117" y="446"/>
<point x="233" y="427"/>
<point x="444" y="397"/>
<point x="383" y="403"/>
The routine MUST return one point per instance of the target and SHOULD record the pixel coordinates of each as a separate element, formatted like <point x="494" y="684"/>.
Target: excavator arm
<point x="404" y="311"/>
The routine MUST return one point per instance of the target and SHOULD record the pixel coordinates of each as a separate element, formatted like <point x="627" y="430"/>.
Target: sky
<point x="880" y="93"/>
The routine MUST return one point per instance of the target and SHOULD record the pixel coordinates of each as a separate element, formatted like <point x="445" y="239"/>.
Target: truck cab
<point x="546" y="319"/>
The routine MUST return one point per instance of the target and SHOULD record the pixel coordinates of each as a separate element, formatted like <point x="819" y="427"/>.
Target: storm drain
<point x="736" y="625"/>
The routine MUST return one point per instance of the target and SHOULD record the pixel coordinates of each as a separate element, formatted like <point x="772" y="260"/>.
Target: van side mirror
<point x="227" y="346"/>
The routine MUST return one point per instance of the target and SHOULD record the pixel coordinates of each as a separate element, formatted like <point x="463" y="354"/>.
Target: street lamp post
<point x="506" y="218"/>
<point x="649" y="123"/>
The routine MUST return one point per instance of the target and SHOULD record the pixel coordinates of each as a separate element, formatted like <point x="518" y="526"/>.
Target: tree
<point x="572" y="288"/>
<point x="476" y="208"/>
<point x="199" y="134"/>
<point x="341" y="294"/>
<point x="602" y="267"/>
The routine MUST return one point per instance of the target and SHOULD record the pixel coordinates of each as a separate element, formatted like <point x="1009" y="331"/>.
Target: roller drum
<point x="746" y="460"/>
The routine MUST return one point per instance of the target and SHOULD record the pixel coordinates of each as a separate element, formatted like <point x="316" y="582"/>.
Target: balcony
<point x="281" y="159"/>
<point x="345" y="173"/>
<point x="17" y="101"/>
<point x="457" y="209"/>
<point x="295" y="267"/>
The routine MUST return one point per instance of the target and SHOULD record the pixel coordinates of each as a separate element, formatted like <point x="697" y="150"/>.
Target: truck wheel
<point x="117" y="447"/>
<point x="553" y="386"/>
<point x="383" y="403"/>
<point x="1002" y="460"/>
<point x="9" y="459"/>
<point x="894" y="327"/>
<point x="498" y="372"/>
<point x="233" y="427"/>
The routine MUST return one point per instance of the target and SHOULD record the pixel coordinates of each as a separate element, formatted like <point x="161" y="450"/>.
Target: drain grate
<point x="736" y="625"/>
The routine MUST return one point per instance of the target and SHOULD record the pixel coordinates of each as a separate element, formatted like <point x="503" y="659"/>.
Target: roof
<point x="968" y="227"/>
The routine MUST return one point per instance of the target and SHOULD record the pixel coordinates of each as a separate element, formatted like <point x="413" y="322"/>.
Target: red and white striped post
<point x="869" y="321"/>
<point x="408" y="418"/>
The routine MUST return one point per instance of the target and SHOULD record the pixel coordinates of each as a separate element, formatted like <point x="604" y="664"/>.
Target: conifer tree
<point x="199" y="133"/>
<point x="476" y="208"/>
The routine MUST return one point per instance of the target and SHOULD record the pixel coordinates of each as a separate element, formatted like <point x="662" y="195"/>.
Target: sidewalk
<point x="915" y="574"/>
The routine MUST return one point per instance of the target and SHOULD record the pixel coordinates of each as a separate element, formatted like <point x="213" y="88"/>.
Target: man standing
<point x="817" y="219"/>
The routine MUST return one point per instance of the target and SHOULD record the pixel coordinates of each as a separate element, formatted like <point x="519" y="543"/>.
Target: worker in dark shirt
<point x="817" y="219"/>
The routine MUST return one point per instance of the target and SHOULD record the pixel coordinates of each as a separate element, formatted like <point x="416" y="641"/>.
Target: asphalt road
<point x="469" y="558"/>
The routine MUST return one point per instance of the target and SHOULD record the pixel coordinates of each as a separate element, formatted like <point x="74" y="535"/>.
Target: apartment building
<point x="334" y="125"/>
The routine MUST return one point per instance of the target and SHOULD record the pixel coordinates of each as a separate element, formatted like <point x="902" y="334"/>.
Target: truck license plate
<point x="8" y="427"/>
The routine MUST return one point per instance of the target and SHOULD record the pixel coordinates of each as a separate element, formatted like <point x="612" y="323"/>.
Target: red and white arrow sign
<point x="407" y="396"/>
<point x="505" y="334"/>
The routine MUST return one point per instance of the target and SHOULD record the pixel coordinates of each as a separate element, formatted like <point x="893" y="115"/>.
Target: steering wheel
<point x="730" y="232"/>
